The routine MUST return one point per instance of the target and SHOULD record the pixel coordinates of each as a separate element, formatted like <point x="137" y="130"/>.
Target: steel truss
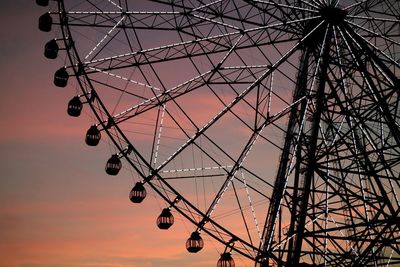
<point x="272" y="126"/>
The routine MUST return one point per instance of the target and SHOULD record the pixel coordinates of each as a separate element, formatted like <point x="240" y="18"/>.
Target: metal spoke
<point x="271" y="126"/>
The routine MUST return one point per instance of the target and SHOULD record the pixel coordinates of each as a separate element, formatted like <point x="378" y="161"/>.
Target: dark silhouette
<point x="226" y="260"/>
<point x="138" y="193"/>
<point x="165" y="220"/>
<point x="195" y="243"/>
<point x="75" y="107"/>
<point x="45" y="22"/>
<point x="42" y="2"/>
<point x="93" y="136"/>
<point x="51" y="49"/>
<point x="61" y="77"/>
<point x="113" y="165"/>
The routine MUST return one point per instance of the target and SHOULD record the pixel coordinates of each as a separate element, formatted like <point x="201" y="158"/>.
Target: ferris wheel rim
<point x="200" y="227"/>
<point x="122" y="150"/>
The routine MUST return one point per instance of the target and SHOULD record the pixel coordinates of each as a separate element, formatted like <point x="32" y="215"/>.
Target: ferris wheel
<point x="272" y="126"/>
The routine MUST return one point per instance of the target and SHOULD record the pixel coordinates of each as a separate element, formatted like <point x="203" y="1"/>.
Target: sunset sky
<point x="57" y="206"/>
<point x="259" y="120"/>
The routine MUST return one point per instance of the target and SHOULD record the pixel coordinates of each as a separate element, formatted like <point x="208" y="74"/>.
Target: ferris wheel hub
<point x="314" y="30"/>
<point x="333" y="15"/>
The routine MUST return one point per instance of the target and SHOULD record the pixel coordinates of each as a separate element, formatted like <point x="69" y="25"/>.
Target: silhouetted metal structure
<point x="273" y="123"/>
<point x="113" y="165"/>
<point x="138" y="193"/>
<point x="165" y="220"/>
<point x="74" y="110"/>
<point x="45" y="22"/>
<point x="42" y="2"/>
<point x="51" y="49"/>
<point x="61" y="77"/>
<point x="93" y="135"/>
<point x="226" y="260"/>
<point x="194" y="243"/>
